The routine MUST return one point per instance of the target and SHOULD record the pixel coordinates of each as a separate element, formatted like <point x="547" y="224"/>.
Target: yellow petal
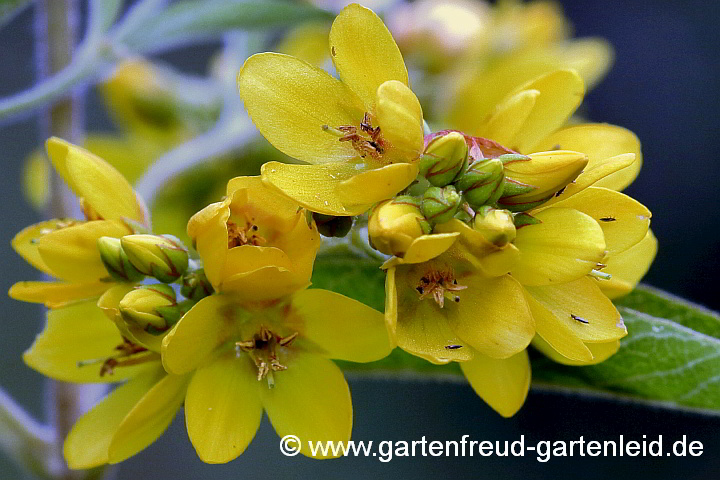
<point x="371" y="186"/>
<point x="400" y="118"/>
<point x="567" y="245"/>
<point x="424" y="248"/>
<point x="56" y="294"/>
<point x="208" y="229"/>
<point x="627" y="268"/>
<point x="223" y="408"/>
<point x="89" y="440"/>
<point x="308" y="41"/>
<point x="149" y="418"/>
<point x="560" y="94"/>
<point x="25" y="243"/>
<point x="600" y="352"/>
<point x="501" y="383"/>
<point x="391" y="305"/>
<point x="131" y="155"/>
<point x="290" y="100"/>
<point x="591" y="57"/>
<point x="206" y="326"/>
<point x="556" y="333"/>
<point x="599" y="141"/>
<point x="508" y="117"/>
<point x="364" y="52"/>
<point x="269" y="209"/>
<point x="265" y="283"/>
<point x="310" y="400"/>
<point x="315" y="186"/>
<point x="344" y="328"/>
<point x="71" y="253"/>
<point x="584" y="308"/>
<point x="492" y="315"/>
<point x="593" y="174"/>
<point x="93" y="179"/>
<point x="624" y="221"/>
<point x="77" y="333"/>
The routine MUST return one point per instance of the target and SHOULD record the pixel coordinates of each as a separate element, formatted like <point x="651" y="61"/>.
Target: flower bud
<point x="332" y="226"/>
<point x="116" y="260"/>
<point x="533" y="181"/>
<point x="394" y="224"/>
<point x="439" y="205"/>
<point x="149" y="308"/>
<point x="196" y="286"/>
<point x="495" y="225"/>
<point x="444" y="159"/>
<point x="483" y="182"/>
<point x="162" y="257"/>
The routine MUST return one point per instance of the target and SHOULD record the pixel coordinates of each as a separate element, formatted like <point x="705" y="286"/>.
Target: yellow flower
<point x="457" y="296"/>
<point x="80" y="344"/>
<point x="362" y="134"/>
<point x="251" y="355"/>
<point x="253" y="238"/>
<point x="67" y="249"/>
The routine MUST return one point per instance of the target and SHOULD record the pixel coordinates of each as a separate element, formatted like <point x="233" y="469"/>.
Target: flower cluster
<point x="510" y="232"/>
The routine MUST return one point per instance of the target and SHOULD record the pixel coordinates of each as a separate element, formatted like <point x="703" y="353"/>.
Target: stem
<point x="56" y="36"/>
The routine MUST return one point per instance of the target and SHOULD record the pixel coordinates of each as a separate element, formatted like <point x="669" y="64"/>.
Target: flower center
<point x="129" y="354"/>
<point x="262" y="348"/>
<point x="439" y="284"/>
<point x="365" y="139"/>
<point x="246" y="234"/>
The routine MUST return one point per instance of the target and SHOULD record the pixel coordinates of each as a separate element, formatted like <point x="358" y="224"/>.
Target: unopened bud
<point x="444" y="159"/>
<point x="532" y="182"/>
<point x="495" y="225"/>
<point x="332" y="226"/>
<point x="162" y="257"/>
<point x="394" y="224"/>
<point x="116" y="260"/>
<point x="439" y="205"/>
<point x="149" y="308"/>
<point x="196" y="286"/>
<point x="482" y="183"/>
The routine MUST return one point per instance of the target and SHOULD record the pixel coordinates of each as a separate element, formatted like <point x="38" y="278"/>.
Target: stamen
<point x="239" y="236"/>
<point x="439" y="285"/>
<point x="600" y="275"/>
<point x="366" y="140"/>
<point x="130" y="354"/>
<point x="262" y="349"/>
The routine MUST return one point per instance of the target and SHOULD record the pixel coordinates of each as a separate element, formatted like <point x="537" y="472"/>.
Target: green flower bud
<point x="149" y="308"/>
<point x="483" y="182"/>
<point x="495" y="225"/>
<point x="394" y="224"/>
<point x="444" y="159"/>
<point x="196" y="286"/>
<point x="162" y="257"/>
<point x="116" y="260"/>
<point x="331" y="226"/>
<point x="439" y="205"/>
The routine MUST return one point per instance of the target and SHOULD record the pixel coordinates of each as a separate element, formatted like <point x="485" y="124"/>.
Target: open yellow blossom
<point x="361" y="135"/>
<point x="66" y="248"/>
<point x="272" y="355"/>
<point x="81" y="344"/>
<point x="255" y="237"/>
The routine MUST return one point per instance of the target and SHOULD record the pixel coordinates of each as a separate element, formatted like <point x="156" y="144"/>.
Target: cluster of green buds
<point x="486" y="173"/>
<point x="132" y="257"/>
<point x="477" y="181"/>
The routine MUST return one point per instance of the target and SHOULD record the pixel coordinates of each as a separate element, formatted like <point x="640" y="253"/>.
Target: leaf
<point x="10" y="8"/>
<point x="187" y="21"/>
<point x="670" y="358"/>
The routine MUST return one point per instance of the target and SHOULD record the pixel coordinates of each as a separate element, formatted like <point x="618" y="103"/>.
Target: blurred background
<point x="663" y="86"/>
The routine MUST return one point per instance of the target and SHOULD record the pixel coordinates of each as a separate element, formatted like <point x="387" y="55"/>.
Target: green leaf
<point x="10" y="8"/>
<point x="190" y="20"/>
<point x="670" y="358"/>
